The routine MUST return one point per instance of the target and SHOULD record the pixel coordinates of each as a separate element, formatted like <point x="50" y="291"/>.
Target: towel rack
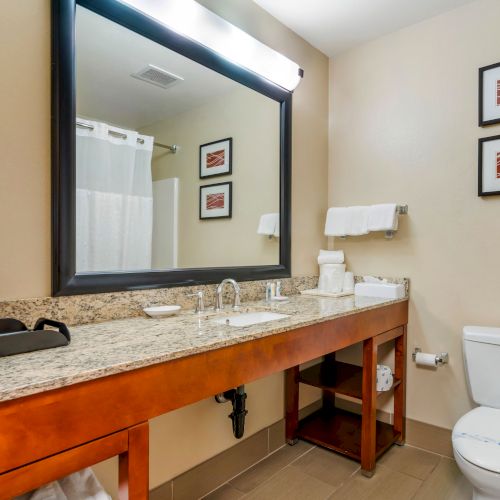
<point x="400" y="210"/>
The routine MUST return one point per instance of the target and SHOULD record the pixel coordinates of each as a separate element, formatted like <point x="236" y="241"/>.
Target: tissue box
<point x="382" y="290"/>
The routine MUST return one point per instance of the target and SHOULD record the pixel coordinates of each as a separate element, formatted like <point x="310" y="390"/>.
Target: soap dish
<point x="161" y="311"/>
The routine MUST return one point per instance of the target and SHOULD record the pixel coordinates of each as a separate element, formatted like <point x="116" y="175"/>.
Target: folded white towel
<point x="337" y="221"/>
<point x="359" y="221"/>
<point x="382" y="217"/>
<point x="269" y="224"/>
<point x="331" y="257"/>
<point x="346" y="221"/>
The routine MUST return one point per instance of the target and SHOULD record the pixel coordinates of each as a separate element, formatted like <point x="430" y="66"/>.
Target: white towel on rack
<point x="269" y="224"/>
<point x="347" y="221"/>
<point x="383" y="217"/>
<point x="359" y="221"/>
<point x="337" y="221"/>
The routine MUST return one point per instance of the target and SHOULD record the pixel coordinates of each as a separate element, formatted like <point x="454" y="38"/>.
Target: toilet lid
<point x="476" y="437"/>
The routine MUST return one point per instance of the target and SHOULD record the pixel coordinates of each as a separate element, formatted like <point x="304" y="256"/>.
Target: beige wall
<point x="404" y="129"/>
<point x="184" y="438"/>
<point x="25" y="149"/>
<point x="253" y="122"/>
<point x="25" y="139"/>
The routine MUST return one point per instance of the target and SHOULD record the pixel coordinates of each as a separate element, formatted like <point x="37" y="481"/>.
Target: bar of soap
<point x="382" y="290"/>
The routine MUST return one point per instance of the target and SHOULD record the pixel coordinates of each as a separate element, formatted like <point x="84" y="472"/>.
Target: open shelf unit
<point x="359" y="436"/>
<point x="338" y="429"/>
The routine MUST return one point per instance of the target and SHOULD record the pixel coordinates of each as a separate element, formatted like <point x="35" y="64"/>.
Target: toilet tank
<point x="482" y="364"/>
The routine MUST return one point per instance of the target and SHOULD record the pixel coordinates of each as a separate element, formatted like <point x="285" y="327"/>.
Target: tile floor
<point x="306" y="472"/>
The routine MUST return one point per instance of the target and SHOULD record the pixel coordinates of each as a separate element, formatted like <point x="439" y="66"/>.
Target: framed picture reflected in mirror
<point x="216" y="158"/>
<point x="216" y="201"/>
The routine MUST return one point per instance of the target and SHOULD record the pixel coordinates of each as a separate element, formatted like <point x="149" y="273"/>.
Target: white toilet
<point x="476" y="436"/>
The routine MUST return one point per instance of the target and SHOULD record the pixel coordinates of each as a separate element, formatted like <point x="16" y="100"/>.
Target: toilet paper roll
<point x="425" y="359"/>
<point x="385" y="378"/>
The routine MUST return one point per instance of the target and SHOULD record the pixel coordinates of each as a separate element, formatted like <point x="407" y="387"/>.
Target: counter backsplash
<point x="91" y="308"/>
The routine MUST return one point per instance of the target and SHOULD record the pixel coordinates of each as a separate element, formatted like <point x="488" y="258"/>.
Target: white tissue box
<point x="382" y="290"/>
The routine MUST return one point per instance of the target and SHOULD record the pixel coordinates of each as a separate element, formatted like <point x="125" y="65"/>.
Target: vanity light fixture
<point x="189" y="18"/>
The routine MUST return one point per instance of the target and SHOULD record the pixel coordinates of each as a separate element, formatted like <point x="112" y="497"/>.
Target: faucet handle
<point x="200" y="306"/>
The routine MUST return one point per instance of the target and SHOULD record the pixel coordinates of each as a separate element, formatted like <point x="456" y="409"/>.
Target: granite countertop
<point x="111" y="347"/>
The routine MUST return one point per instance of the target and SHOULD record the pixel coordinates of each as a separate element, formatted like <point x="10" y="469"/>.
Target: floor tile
<point x="412" y="461"/>
<point x="225" y="492"/>
<point x="326" y="466"/>
<point x="270" y="466"/>
<point x="291" y="484"/>
<point x="218" y="470"/>
<point x="386" y="484"/>
<point x="445" y="483"/>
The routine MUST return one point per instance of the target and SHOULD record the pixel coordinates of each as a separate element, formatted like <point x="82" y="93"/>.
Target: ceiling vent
<point x="157" y="76"/>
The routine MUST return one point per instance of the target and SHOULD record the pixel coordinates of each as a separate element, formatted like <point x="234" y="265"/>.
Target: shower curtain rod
<point x="172" y="149"/>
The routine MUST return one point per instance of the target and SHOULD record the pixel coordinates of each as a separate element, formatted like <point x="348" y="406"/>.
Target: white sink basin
<point x="247" y="319"/>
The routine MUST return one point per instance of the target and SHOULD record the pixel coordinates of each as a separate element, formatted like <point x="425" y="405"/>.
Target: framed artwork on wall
<point x="489" y="166"/>
<point x="216" y="201"/>
<point x="489" y="95"/>
<point x="216" y="158"/>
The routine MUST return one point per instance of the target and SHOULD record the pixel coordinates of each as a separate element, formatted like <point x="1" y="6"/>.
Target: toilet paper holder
<point x="441" y="358"/>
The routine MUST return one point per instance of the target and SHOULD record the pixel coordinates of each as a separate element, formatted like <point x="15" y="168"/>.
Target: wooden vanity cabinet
<point x="131" y="445"/>
<point x="361" y="437"/>
<point x="47" y="435"/>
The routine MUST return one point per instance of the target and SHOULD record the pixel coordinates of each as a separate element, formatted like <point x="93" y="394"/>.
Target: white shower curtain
<point x="114" y="199"/>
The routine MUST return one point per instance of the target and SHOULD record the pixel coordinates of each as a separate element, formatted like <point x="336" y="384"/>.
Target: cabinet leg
<point x="291" y="404"/>
<point x="400" y="390"/>
<point x="134" y="465"/>
<point x="369" y="408"/>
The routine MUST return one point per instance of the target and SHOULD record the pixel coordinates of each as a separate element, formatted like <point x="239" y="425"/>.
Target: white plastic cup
<point x="348" y="282"/>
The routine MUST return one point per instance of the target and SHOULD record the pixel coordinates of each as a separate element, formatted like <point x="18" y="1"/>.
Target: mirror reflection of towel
<point x="82" y="485"/>
<point x="269" y="224"/>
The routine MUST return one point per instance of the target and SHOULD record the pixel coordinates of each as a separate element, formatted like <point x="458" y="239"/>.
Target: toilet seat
<point x="476" y="438"/>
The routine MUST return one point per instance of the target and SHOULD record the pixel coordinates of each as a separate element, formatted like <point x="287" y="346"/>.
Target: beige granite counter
<point x="111" y="347"/>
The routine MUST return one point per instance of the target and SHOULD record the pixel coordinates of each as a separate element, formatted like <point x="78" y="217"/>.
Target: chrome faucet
<point x="218" y="298"/>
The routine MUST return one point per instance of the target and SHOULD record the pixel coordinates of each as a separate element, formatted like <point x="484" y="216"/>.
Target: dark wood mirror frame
<point x="65" y="280"/>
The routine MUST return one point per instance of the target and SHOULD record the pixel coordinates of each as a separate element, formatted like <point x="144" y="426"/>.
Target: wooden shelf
<point x="340" y="431"/>
<point x="341" y="378"/>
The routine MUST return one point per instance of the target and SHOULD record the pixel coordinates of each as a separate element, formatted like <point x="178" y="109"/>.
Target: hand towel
<point x="382" y="217"/>
<point x="331" y="257"/>
<point x="358" y="221"/>
<point x="337" y="221"/>
<point x="346" y="221"/>
<point x="269" y="224"/>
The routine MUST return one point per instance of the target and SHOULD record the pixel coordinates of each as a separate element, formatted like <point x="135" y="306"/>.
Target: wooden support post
<point x="400" y="390"/>
<point x="369" y="408"/>
<point x="291" y="404"/>
<point x="134" y="465"/>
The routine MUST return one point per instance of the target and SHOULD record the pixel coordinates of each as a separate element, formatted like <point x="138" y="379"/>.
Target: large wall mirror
<point x="171" y="164"/>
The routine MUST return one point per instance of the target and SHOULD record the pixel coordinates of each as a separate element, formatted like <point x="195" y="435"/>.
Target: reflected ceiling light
<point x="194" y="21"/>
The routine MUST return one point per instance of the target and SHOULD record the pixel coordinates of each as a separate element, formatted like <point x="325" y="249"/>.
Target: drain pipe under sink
<point x="237" y="397"/>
